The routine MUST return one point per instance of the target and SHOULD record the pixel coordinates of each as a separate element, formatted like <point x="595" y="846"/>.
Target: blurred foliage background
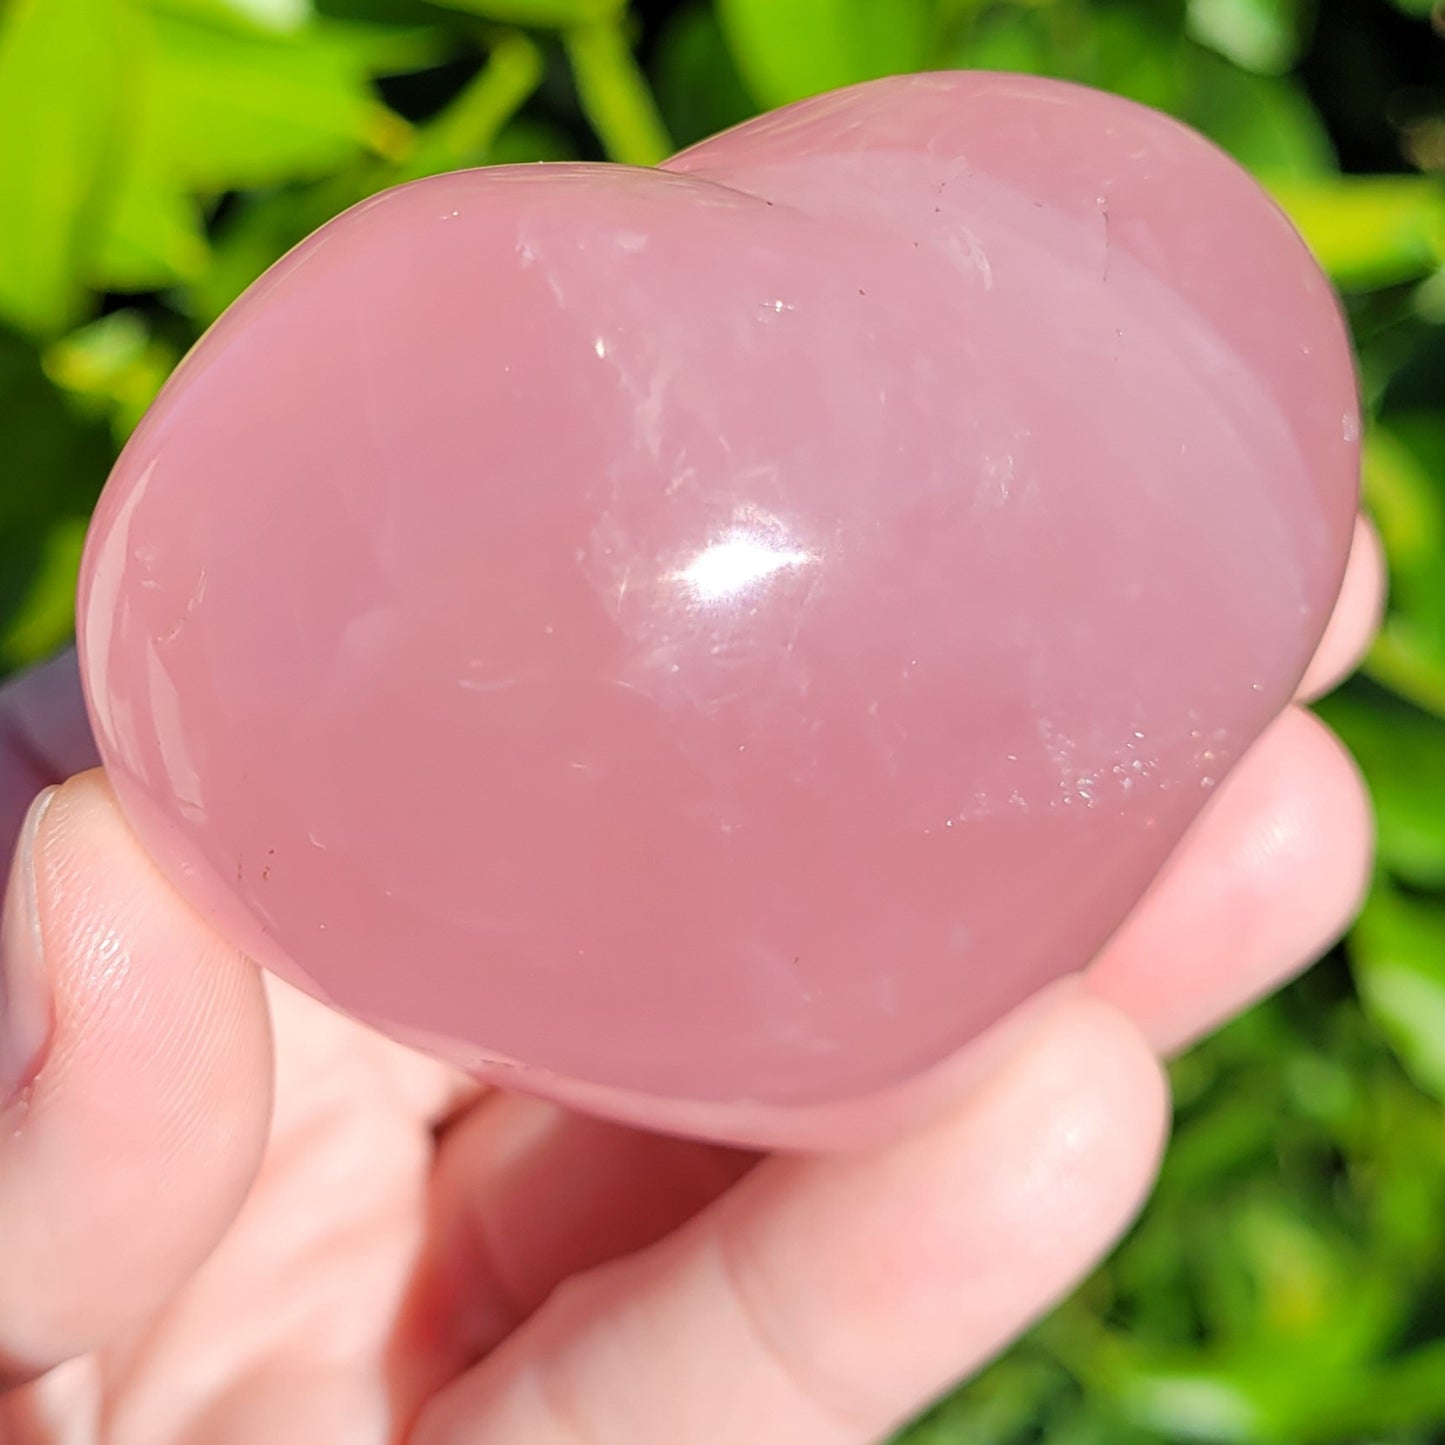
<point x="1287" y="1283"/>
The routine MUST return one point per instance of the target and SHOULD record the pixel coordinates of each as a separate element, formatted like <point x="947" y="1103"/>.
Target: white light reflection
<point x="736" y="562"/>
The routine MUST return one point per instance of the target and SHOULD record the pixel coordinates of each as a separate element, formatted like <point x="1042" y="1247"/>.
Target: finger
<point x="827" y="1299"/>
<point x="525" y="1195"/>
<point x="1270" y="876"/>
<point x="44" y="737"/>
<point x="1356" y="617"/>
<point x="134" y="1084"/>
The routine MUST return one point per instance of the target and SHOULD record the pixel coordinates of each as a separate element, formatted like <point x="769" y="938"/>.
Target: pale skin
<point x="230" y="1217"/>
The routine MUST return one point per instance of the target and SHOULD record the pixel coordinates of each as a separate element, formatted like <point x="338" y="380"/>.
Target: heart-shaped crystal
<point x="718" y="638"/>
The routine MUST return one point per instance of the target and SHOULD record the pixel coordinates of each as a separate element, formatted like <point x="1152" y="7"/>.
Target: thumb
<point x="135" y="1071"/>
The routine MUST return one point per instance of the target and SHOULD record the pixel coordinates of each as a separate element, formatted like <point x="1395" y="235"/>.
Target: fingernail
<point x="25" y="1004"/>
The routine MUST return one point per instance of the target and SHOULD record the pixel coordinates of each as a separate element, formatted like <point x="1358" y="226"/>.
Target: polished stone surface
<point x="721" y="637"/>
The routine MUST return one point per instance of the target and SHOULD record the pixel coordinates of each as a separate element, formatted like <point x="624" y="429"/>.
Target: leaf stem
<point x="464" y="132"/>
<point x="614" y="93"/>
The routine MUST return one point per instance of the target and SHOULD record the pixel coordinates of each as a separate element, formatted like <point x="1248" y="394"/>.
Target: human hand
<point x="229" y="1216"/>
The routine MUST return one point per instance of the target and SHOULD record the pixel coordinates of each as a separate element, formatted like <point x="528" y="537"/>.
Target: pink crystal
<point x="716" y="639"/>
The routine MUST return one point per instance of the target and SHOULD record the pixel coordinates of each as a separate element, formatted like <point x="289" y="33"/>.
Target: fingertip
<point x="1356" y="617"/>
<point x="1090" y="1096"/>
<point x="828" y="1298"/>
<point x="1270" y="876"/>
<point x="959" y="1237"/>
<point x="140" y="980"/>
<point x="148" y="1115"/>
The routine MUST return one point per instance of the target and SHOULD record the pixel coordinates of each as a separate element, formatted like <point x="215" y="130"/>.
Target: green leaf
<point x="1397" y="950"/>
<point x="227" y="108"/>
<point x="1402" y="754"/>
<point x="615" y="95"/>
<point x="1266" y="124"/>
<point x="152" y="237"/>
<point x="1429" y="299"/>
<point x="1259" y="35"/>
<point x="1189" y="1401"/>
<point x="45" y="619"/>
<point x="1407" y="1393"/>
<point x="787" y="49"/>
<point x="1003" y="40"/>
<point x="244" y="111"/>
<point x="544" y="14"/>
<point x="56" y="457"/>
<point x="1405" y="489"/>
<point x="1134" y="50"/>
<point x="278" y="17"/>
<point x="999" y="1407"/>
<point x="260" y="231"/>
<point x="66" y="74"/>
<point x="1410" y="661"/>
<point x="525" y="139"/>
<point x="698" y="87"/>
<point x="1369" y="231"/>
<point x="114" y="367"/>
<point x="464" y="133"/>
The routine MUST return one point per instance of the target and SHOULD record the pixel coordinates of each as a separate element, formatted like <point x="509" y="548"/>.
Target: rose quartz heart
<point x="714" y="640"/>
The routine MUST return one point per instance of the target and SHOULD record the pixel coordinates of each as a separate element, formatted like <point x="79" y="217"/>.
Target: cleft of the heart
<point x="707" y="643"/>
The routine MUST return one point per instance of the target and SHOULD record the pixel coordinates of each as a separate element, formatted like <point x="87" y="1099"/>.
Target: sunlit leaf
<point x="67" y="76"/>
<point x="1259" y="35"/>
<point x="250" y="111"/>
<point x="152" y="237"/>
<point x="1405" y="492"/>
<point x="1409" y="659"/>
<point x="225" y="108"/>
<point x="786" y="49"/>
<point x="116" y="364"/>
<point x="615" y="95"/>
<point x="1189" y="1401"/>
<point x="1398" y="952"/>
<point x="1405" y="488"/>
<point x="1369" y="230"/>
<point x="464" y="133"/>
<point x="280" y="17"/>
<point x="1429" y="299"/>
